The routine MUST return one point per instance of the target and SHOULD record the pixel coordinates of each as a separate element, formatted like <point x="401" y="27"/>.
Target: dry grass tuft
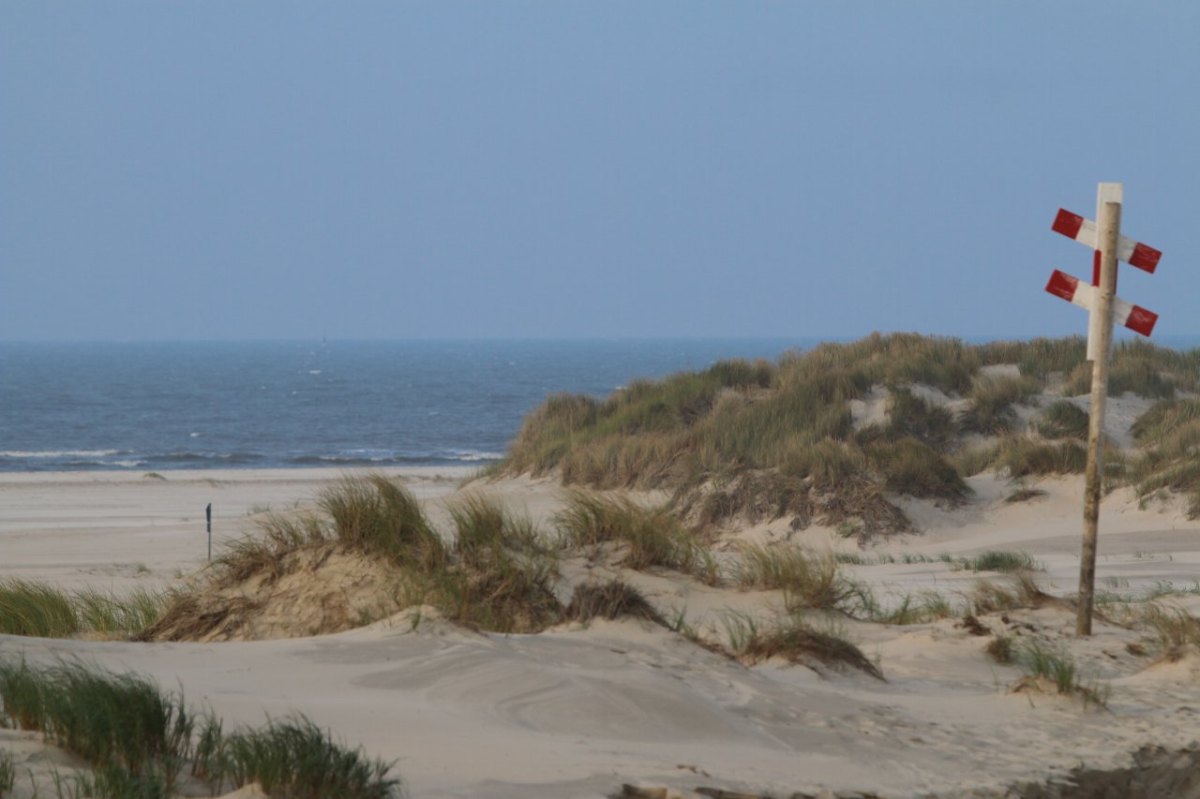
<point x="1021" y="592"/>
<point x="650" y="537"/>
<point x="794" y="640"/>
<point x="36" y="609"/>
<point x="611" y="600"/>
<point x="367" y="553"/>
<point x="1176" y="629"/>
<point x="807" y="579"/>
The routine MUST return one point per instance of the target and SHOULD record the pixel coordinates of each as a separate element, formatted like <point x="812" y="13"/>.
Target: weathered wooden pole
<point x="208" y="524"/>
<point x="1108" y="223"/>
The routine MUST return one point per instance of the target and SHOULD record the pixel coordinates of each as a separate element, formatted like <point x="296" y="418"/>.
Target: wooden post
<point x="208" y="524"/>
<point x="1108" y="223"/>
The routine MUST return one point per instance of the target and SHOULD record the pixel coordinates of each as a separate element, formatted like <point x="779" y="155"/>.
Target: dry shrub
<point x="791" y="638"/>
<point x="1022" y="591"/>
<point x="610" y="600"/>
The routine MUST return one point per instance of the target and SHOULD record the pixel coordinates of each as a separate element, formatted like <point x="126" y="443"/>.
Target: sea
<point x="296" y="404"/>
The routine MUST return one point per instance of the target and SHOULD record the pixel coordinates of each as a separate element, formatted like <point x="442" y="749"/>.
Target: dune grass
<point x="808" y="580"/>
<point x="613" y="599"/>
<point x="1026" y="457"/>
<point x="922" y="608"/>
<point x="648" y="536"/>
<point x="1022" y="591"/>
<point x="294" y="758"/>
<point x="791" y="418"/>
<point x="1001" y="561"/>
<point x="119" y="723"/>
<point x="1063" y="419"/>
<point x="1058" y="667"/>
<point x="141" y="741"/>
<point x="790" y="637"/>
<point x="8" y="773"/>
<point x="1175" y="628"/>
<point x="1170" y="433"/>
<point x="1002" y="650"/>
<point x="44" y="611"/>
<point x="498" y="576"/>
<point x="495" y="575"/>
<point x="910" y="416"/>
<point x="992" y="399"/>
<point x="750" y="440"/>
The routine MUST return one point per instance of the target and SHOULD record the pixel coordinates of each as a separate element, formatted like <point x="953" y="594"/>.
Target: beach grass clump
<point x="911" y="416"/>
<point x="808" y="579"/>
<point x="119" y="722"/>
<point x="1170" y="434"/>
<point x="1025" y="457"/>
<point x="791" y="638"/>
<point x="496" y="574"/>
<point x="911" y="467"/>
<point x="36" y="609"/>
<point x="610" y="600"/>
<point x="376" y="515"/>
<point x="1001" y="561"/>
<point x="1177" y="630"/>
<point x="922" y="608"/>
<point x="128" y="614"/>
<point x="1056" y="666"/>
<point x="1063" y="419"/>
<point x="1040" y="358"/>
<point x="8" y="772"/>
<point x="1143" y="369"/>
<point x="991" y="412"/>
<point x="294" y="758"/>
<point x="650" y="536"/>
<point x="140" y="741"/>
<point x="499" y="575"/>
<point x="44" y="611"/>
<point x="1022" y="591"/>
<point x="1002" y="650"/>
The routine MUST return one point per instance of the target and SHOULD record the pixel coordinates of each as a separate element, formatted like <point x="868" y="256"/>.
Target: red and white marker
<point x="1078" y="292"/>
<point x="1134" y="253"/>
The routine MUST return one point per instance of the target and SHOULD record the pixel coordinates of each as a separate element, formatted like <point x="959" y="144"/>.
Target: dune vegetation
<point x="141" y="742"/>
<point x="746" y="441"/>
<point x="37" y="609"/>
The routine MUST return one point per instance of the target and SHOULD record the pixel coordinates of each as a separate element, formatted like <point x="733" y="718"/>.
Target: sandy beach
<point x="577" y="711"/>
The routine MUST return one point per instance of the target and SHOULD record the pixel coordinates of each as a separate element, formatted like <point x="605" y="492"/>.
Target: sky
<point x="397" y="170"/>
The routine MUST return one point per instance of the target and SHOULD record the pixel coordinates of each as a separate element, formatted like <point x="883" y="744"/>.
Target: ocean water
<point x="153" y="407"/>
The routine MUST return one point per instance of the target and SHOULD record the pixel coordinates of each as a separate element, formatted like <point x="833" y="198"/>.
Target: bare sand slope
<point x="575" y="712"/>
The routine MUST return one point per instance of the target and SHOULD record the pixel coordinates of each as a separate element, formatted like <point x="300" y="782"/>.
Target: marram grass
<point x="141" y="742"/>
<point x="783" y="434"/>
<point x="44" y="611"/>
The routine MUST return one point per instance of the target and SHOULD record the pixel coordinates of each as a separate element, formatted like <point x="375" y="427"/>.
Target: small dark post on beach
<point x="208" y="520"/>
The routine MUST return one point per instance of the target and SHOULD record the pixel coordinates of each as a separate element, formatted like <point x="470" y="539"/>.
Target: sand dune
<point x="576" y="711"/>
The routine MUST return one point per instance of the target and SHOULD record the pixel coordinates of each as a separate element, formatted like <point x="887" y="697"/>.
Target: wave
<point x="115" y="459"/>
<point x="61" y="453"/>
<point x="390" y="458"/>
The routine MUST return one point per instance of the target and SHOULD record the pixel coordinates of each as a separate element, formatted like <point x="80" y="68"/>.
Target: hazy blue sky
<point x="221" y="170"/>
